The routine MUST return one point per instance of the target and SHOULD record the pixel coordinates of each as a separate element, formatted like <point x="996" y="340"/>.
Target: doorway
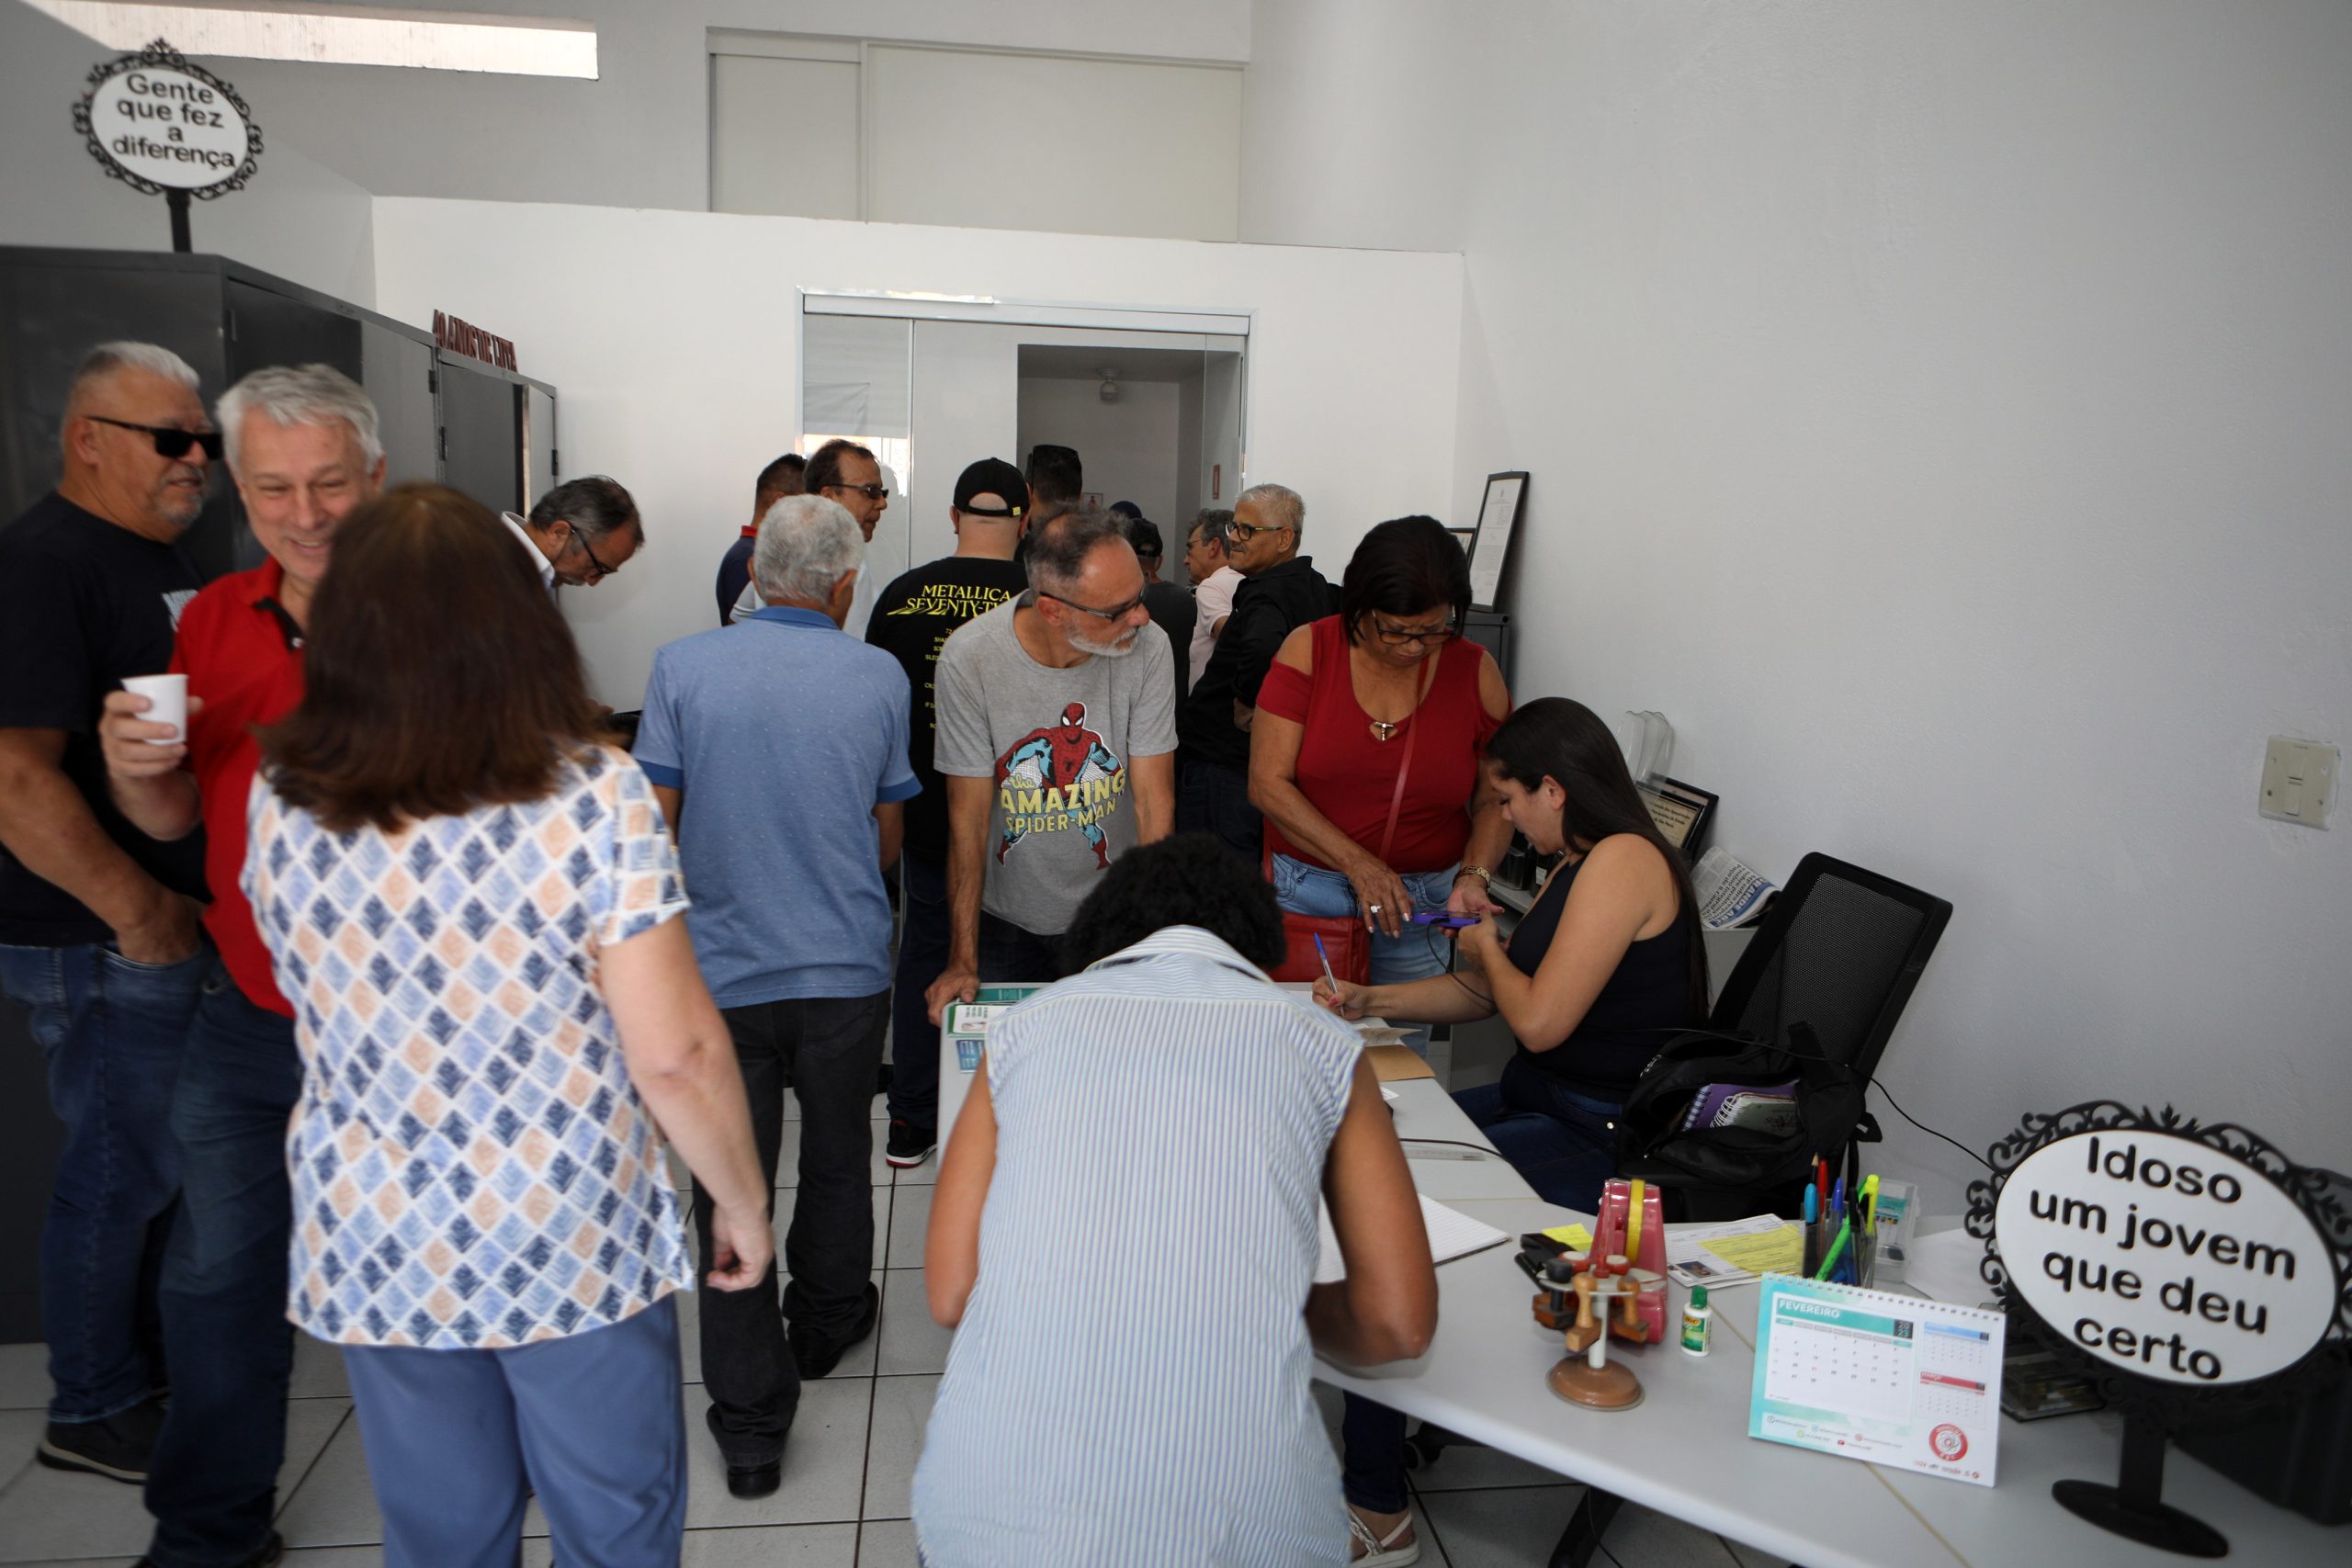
<point x="935" y="389"/>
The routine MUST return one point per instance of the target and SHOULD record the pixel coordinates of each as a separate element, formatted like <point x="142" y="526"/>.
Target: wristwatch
<point x="1480" y="872"/>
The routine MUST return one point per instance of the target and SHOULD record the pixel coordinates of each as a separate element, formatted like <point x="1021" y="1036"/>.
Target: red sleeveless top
<point x="1351" y="777"/>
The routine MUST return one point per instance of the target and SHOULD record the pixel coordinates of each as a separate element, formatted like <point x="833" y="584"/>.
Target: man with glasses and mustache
<point x="1057" y="740"/>
<point x="579" y="532"/>
<point x="304" y="450"/>
<point x="1279" y="591"/>
<point x="98" y="933"/>
<point x="847" y="475"/>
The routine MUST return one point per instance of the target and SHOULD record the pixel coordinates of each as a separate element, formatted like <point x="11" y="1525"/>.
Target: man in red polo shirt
<point x="303" y="448"/>
<point x="778" y="479"/>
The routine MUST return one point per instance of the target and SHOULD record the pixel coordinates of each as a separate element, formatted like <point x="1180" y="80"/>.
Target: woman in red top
<point x="1363" y="751"/>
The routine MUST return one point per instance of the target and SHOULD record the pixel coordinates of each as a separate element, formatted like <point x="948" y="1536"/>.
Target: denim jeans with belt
<point x="214" y="1479"/>
<point x="827" y="1048"/>
<point x="111" y="1033"/>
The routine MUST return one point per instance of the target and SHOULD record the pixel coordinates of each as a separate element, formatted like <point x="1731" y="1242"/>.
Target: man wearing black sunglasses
<point x="98" y="935"/>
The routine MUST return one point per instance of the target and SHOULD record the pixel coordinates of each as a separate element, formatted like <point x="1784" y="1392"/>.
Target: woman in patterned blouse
<point x="470" y="901"/>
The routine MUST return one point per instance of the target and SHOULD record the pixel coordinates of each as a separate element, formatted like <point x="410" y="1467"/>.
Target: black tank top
<point x="1649" y="992"/>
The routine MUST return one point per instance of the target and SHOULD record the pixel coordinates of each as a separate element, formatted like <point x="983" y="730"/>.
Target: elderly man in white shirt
<point x="1213" y="585"/>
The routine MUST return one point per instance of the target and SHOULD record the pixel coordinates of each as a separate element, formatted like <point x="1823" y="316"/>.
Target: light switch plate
<point x="2299" y="779"/>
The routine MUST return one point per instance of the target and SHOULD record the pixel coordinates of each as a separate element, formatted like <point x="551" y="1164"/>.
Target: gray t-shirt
<point x="1056" y="744"/>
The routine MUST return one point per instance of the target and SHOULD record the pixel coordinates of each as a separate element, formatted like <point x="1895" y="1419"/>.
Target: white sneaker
<point x="1381" y="1550"/>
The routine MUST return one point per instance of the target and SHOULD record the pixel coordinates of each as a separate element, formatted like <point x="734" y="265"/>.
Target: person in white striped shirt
<point x="1125" y="1237"/>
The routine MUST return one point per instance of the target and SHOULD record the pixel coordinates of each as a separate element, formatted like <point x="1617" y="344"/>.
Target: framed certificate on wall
<point x="1498" y="512"/>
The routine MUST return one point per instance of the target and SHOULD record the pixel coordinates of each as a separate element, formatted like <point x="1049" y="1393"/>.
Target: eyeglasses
<point x="871" y="493"/>
<point x="603" y="571"/>
<point x="1397" y="637"/>
<point x="1118" y="614"/>
<point x="1245" y="532"/>
<point x="170" y="442"/>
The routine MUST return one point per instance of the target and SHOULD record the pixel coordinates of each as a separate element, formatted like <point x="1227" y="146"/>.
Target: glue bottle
<point x="1698" y="1321"/>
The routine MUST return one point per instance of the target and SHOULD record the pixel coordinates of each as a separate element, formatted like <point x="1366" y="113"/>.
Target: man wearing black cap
<point x="912" y="618"/>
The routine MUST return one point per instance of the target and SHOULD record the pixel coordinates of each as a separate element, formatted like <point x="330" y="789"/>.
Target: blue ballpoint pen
<point x="1327" y="968"/>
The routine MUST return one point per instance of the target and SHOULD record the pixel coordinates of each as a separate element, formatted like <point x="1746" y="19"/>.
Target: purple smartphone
<point x="1441" y="919"/>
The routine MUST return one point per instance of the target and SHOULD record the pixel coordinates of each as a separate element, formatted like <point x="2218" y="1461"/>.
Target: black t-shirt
<point x="84" y="604"/>
<point x="912" y="619"/>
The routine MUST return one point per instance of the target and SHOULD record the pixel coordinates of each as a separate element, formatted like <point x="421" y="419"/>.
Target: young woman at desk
<point x="1606" y="963"/>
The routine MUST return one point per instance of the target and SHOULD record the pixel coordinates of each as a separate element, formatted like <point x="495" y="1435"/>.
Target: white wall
<point x="639" y="136"/>
<point x="673" y="340"/>
<point x="1939" y="413"/>
<point x="296" y="219"/>
<point x="1128" y="447"/>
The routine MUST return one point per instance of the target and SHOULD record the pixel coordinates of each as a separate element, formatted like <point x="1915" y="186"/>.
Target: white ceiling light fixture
<point x="1108" y="390"/>
<point x="342" y="35"/>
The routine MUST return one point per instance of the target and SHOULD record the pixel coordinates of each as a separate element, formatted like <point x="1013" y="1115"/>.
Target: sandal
<point x="1381" y="1550"/>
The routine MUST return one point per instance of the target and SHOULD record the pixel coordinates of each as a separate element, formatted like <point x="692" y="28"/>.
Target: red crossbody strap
<point x="1412" y="733"/>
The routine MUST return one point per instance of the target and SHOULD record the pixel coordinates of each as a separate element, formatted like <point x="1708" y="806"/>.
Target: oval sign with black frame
<point x="167" y="127"/>
<point x="2189" y="1270"/>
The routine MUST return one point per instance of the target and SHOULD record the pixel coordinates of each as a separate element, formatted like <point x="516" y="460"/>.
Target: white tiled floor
<point x="847" y="1468"/>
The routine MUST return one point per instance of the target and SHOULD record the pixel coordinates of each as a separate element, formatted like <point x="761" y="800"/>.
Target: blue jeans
<point x="458" y="1439"/>
<point x="1415" y="952"/>
<point x="111" y="1033"/>
<point x="213" y="1478"/>
<point x="923" y="953"/>
<point x="1562" y="1141"/>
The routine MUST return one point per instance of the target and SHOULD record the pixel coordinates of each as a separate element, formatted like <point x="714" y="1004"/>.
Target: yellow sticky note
<point x="1576" y="1238"/>
<point x="1773" y="1252"/>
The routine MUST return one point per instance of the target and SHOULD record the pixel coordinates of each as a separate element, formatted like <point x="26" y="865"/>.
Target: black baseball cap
<point x="992" y="476"/>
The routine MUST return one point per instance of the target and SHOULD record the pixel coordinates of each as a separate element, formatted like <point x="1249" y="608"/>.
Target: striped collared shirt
<point x="1130" y="1380"/>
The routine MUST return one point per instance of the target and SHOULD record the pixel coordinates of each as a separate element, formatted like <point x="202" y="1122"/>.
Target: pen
<point x="1837" y="1201"/>
<point x="1870" y="1204"/>
<point x="1812" y="1229"/>
<point x="1326" y="957"/>
<point x="1836" y="1250"/>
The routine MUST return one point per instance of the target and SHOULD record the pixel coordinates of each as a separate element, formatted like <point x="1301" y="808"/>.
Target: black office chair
<point x="1827" y="974"/>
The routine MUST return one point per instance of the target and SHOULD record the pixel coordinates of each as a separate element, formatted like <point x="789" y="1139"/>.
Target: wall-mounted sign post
<point x="2189" y="1271"/>
<point x="167" y="127"/>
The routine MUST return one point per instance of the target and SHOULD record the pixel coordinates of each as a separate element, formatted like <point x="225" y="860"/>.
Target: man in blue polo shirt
<point x="778" y="747"/>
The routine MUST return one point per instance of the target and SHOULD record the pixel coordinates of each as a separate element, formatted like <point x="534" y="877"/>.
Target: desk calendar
<point x="1892" y="1380"/>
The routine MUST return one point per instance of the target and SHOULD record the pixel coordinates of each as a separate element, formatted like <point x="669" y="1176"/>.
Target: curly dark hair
<point x="1188" y="880"/>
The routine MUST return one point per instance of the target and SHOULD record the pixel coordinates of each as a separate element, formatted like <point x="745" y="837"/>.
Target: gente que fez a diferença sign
<point x="167" y="127"/>
<point x="2190" y="1271"/>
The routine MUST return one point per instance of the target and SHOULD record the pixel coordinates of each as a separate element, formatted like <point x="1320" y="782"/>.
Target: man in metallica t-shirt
<point x="912" y="619"/>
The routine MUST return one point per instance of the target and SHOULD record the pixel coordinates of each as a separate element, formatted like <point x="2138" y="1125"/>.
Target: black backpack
<point x="1733" y="1172"/>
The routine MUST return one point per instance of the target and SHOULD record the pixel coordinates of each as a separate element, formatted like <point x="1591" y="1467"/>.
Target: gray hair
<point x="111" y="358"/>
<point x="1214" y="521"/>
<point x="1279" y="504"/>
<point x="806" y="546"/>
<point x="290" y="395"/>
<point x="1057" y="552"/>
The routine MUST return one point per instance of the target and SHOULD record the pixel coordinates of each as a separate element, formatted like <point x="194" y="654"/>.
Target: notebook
<point x="1452" y="1235"/>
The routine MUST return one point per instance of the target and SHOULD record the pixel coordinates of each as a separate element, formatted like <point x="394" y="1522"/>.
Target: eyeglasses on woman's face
<point x="1392" y="634"/>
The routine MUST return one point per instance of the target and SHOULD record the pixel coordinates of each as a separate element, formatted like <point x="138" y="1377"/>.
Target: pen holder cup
<point x="1865" y="1259"/>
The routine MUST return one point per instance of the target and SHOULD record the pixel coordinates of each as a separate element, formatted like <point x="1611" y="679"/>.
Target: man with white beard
<point x="1057" y="740"/>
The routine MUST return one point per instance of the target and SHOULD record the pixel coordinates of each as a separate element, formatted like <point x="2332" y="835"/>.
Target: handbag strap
<point x="1412" y="733"/>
